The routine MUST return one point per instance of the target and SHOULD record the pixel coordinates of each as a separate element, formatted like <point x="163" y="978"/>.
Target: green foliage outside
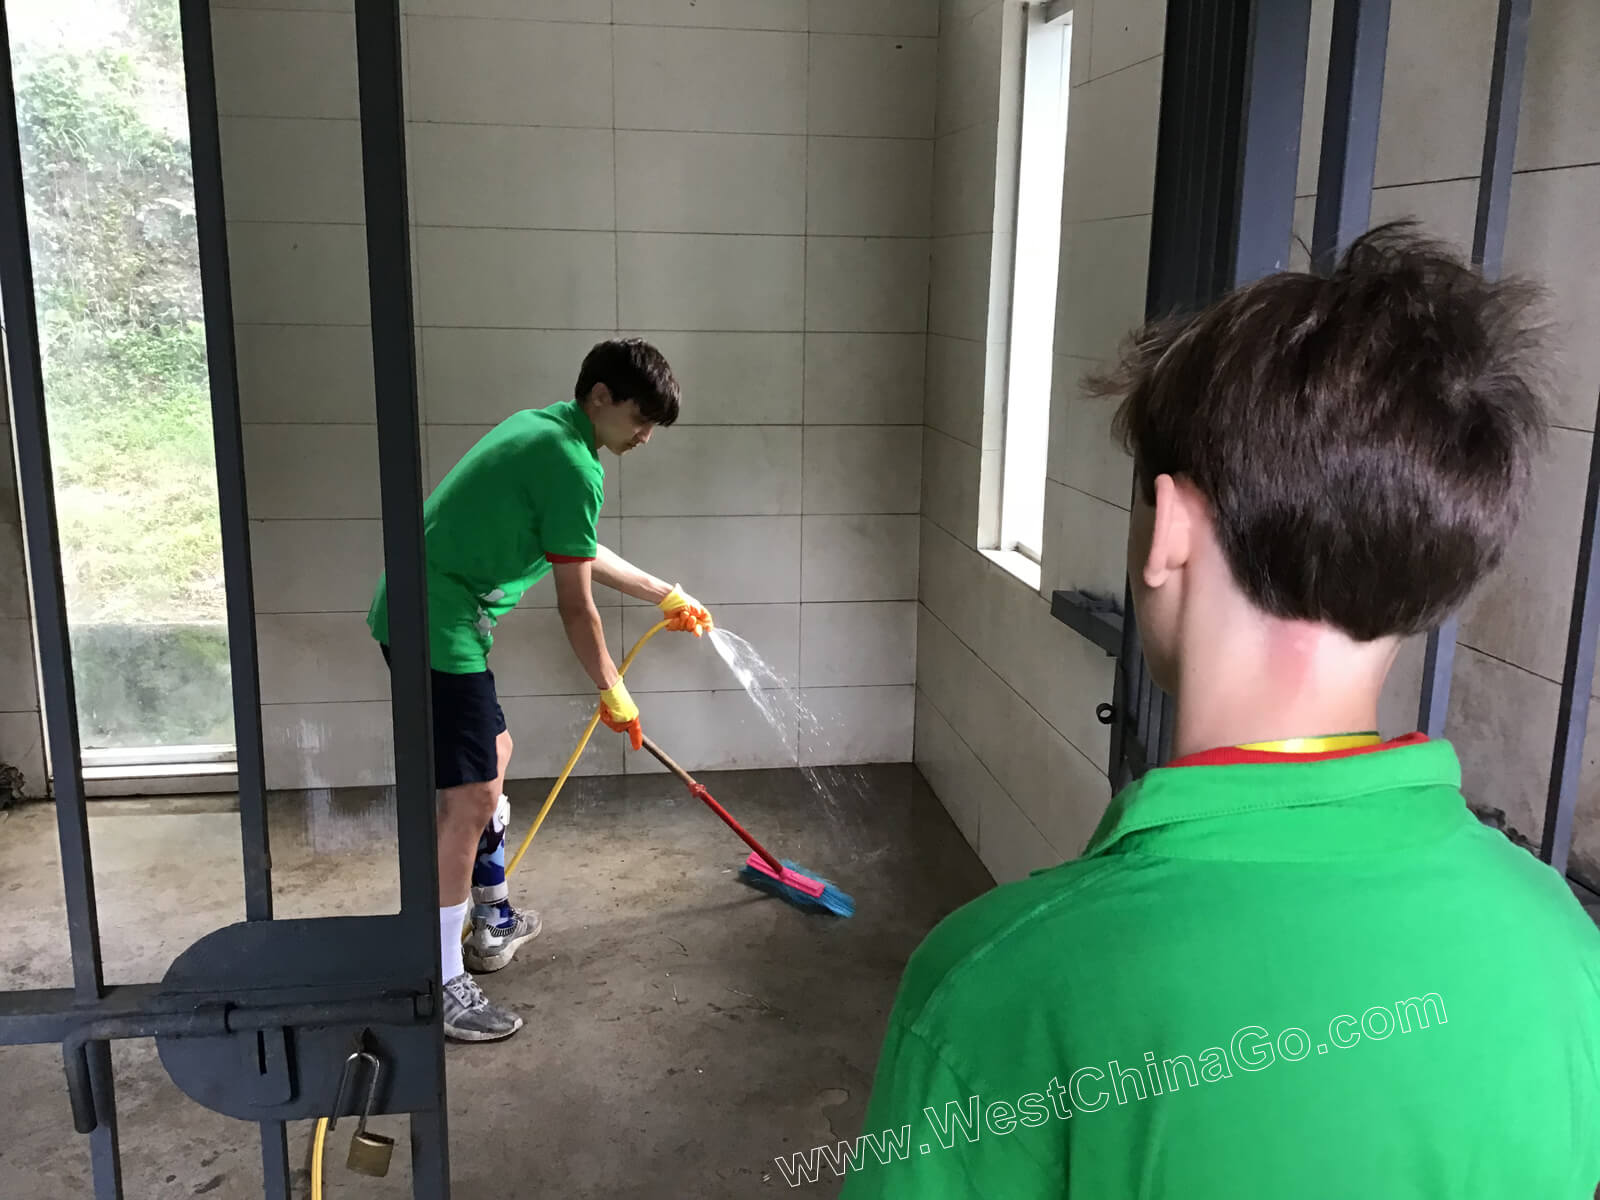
<point x="111" y="215"/>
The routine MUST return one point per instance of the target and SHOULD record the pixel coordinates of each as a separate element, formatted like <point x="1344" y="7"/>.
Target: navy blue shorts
<point x="467" y="719"/>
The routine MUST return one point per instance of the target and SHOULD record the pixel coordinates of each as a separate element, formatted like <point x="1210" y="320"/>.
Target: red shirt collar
<point x="1233" y="756"/>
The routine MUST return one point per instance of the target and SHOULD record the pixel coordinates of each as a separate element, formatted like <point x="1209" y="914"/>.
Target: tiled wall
<point x="1006" y="731"/>
<point x="21" y="740"/>
<point x="747" y="183"/>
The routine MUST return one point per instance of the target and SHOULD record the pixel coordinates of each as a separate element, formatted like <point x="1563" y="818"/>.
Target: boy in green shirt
<point x="522" y="504"/>
<point x="1289" y="964"/>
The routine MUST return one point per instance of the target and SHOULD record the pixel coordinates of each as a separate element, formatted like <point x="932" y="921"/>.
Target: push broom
<point x="762" y="870"/>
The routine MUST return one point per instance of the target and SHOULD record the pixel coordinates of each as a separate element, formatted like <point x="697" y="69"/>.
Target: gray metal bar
<point x="1275" y="85"/>
<point x="50" y="611"/>
<point x="1488" y="245"/>
<point x="1572" y="720"/>
<point x="1349" y="127"/>
<point x="211" y="228"/>
<point x="383" y="159"/>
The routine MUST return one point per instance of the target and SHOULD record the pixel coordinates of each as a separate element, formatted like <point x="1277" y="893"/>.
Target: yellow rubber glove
<point x="620" y="714"/>
<point x="686" y="614"/>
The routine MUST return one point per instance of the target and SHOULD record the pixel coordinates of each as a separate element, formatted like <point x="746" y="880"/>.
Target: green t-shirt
<point x="1307" y="980"/>
<point x="527" y="494"/>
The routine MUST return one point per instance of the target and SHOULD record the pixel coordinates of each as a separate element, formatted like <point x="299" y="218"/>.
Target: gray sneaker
<point x="489" y="948"/>
<point x="469" y="1017"/>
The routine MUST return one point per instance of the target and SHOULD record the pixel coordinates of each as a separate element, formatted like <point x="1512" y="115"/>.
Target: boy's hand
<point x="620" y="714"/>
<point x="686" y="614"/>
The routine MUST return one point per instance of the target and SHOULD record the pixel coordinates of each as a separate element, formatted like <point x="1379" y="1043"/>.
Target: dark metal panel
<point x="212" y="232"/>
<point x="1349" y="154"/>
<point x="1273" y="102"/>
<point x="400" y="477"/>
<point x="50" y="611"/>
<point x="1488" y="243"/>
<point x="1572" y="720"/>
<point x="1097" y="618"/>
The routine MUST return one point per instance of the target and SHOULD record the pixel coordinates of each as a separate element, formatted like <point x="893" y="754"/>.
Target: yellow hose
<point x="321" y="1135"/>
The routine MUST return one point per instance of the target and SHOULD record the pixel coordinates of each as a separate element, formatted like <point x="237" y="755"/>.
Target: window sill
<point x="1019" y="565"/>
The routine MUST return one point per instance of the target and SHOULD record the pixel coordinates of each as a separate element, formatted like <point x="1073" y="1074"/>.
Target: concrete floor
<point x="682" y="1029"/>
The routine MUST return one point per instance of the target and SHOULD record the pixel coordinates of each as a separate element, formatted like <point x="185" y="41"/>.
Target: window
<point x="1041" y="168"/>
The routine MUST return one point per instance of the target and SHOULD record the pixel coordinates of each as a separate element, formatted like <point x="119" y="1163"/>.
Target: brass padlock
<point x="370" y="1153"/>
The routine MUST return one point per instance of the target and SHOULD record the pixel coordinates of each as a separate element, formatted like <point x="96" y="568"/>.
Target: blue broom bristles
<point x="832" y="899"/>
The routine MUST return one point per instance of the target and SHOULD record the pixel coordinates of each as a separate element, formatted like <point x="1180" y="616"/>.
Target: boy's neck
<point x="1266" y="680"/>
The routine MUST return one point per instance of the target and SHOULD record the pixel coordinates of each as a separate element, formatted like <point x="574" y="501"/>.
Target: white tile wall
<point x="328" y="744"/>
<point x="1438" y="62"/>
<point x="956" y="397"/>
<point x="1111" y="144"/>
<point x="757" y="472"/>
<point x="964" y="166"/>
<point x="957" y="776"/>
<point x="1085" y="541"/>
<point x="864" y="378"/>
<point x="710" y="182"/>
<point x="532" y="657"/>
<point x="710" y="80"/>
<point x="872" y="86"/>
<point x="285" y="64"/>
<point x="858" y="558"/>
<point x="696" y="281"/>
<point x="14" y="599"/>
<point x="544" y="729"/>
<point x="312" y="471"/>
<point x="950" y="484"/>
<point x="737" y="378"/>
<point x="868" y="186"/>
<point x="958" y="300"/>
<point x="482" y="376"/>
<point x="1560" y="120"/>
<point x="22" y="745"/>
<point x="292" y="169"/>
<point x="1086" y="455"/>
<point x="862" y="469"/>
<point x="968" y="84"/>
<point x="504" y="278"/>
<point x="299" y="274"/>
<point x="680" y="663"/>
<point x="724" y="730"/>
<point x="1101" y="293"/>
<point x="854" y="645"/>
<point x="876" y="285"/>
<point x="916" y="18"/>
<point x="1127" y="32"/>
<point x="305" y="374"/>
<point x="716" y="14"/>
<point x="532" y="10"/>
<point x="721" y="560"/>
<point x="857" y="725"/>
<point x="312" y="657"/>
<point x="1010" y="845"/>
<point x="316" y="565"/>
<point x="511" y="177"/>
<point x="509" y="72"/>
<point x="17" y="690"/>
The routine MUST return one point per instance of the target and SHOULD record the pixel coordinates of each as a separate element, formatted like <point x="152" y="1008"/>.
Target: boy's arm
<point x="616" y="572"/>
<point x="686" y="613"/>
<point x="575" y="602"/>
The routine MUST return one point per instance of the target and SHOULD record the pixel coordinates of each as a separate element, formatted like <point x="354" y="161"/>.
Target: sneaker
<point x="469" y="1017"/>
<point x="490" y="947"/>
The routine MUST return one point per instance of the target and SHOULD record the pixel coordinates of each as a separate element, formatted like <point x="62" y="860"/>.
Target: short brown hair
<point x="1364" y="437"/>
<point x="631" y="369"/>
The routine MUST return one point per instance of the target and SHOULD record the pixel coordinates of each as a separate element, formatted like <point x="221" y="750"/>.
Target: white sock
<point x="450" y="922"/>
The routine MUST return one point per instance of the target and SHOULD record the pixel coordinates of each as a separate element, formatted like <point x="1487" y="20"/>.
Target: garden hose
<point x="321" y="1136"/>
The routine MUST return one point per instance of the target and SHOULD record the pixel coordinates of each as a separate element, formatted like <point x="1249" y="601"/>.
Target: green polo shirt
<point x="526" y="495"/>
<point x="1261" y="982"/>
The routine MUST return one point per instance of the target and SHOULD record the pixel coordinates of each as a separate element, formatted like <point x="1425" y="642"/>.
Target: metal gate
<point x="254" y="1020"/>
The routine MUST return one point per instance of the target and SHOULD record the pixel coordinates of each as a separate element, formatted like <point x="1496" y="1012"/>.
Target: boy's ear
<point x="600" y="394"/>
<point x="1171" y="532"/>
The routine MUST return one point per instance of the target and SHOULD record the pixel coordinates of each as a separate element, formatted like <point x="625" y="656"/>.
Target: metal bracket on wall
<point x="1098" y="618"/>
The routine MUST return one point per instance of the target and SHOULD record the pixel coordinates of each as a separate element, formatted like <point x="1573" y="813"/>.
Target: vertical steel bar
<point x="233" y="506"/>
<point x="383" y="160"/>
<point x="1349" y="153"/>
<point x="1488" y="245"/>
<point x="36" y="477"/>
<point x="1273" y="102"/>
<point x="1572" y="720"/>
